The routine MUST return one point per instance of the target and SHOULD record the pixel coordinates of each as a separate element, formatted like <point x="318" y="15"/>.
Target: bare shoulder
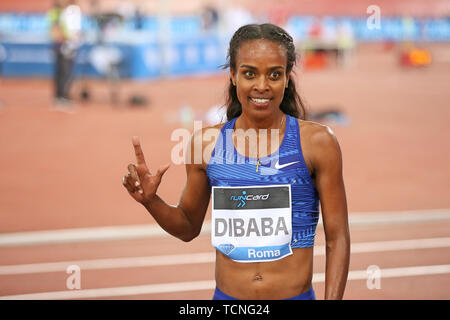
<point x="208" y="130"/>
<point x="215" y="128"/>
<point x="317" y="134"/>
<point x="320" y="146"/>
<point x="201" y="144"/>
<point x="206" y="133"/>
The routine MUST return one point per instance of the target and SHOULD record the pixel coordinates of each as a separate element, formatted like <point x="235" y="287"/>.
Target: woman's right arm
<point x="184" y="220"/>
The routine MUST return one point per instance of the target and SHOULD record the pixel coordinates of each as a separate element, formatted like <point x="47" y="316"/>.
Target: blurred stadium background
<point x="149" y="67"/>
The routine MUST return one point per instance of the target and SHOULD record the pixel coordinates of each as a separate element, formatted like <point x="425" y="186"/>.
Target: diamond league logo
<point x="226" y="248"/>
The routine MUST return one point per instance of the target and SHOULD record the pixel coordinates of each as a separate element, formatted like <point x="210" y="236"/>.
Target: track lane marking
<point x="210" y="284"/>
<point x="153" y="230"/>
<point x="207" y="257"/>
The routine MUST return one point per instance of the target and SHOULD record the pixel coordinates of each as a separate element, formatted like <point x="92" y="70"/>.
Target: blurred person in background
<point x="235" y="16"/>
<point x="345" y="43"/>
<point x="210" y="18"/>
<point x="65" y="30"/>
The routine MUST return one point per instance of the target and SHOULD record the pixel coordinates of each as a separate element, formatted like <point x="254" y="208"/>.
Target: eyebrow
<point x="254" y="68"/>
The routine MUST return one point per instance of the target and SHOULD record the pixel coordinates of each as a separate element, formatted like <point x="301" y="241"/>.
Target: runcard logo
<point x="249" y="197"/>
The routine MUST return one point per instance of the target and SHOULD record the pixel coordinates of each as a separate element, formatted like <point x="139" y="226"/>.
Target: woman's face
<point x="260" y="77"/>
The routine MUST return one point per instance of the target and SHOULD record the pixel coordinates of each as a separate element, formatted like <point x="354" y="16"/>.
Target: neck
<point x="259" y="146"/>
<point x="246" y="122"/>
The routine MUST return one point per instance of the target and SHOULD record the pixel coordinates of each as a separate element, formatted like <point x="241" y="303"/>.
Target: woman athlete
<point x="265" y="200"/>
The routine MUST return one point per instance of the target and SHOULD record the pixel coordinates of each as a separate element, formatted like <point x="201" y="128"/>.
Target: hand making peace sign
<point x="139" y="181"/>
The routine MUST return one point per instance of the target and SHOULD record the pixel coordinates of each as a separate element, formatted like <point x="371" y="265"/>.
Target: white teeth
<point x="260" y="100"/>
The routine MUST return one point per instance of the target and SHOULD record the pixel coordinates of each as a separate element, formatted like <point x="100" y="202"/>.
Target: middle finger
<point x="129" y="183"/>
<point x="133" y="172"/>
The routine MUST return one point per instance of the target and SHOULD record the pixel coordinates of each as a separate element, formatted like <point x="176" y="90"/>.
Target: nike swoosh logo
<point x="279" y="166"/>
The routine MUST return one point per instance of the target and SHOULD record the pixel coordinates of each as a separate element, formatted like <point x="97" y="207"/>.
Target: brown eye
<point x="275" y="75"/>
<point x="249" y="74"/>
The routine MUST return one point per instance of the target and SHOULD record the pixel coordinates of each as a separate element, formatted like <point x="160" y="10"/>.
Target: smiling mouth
<point x="259" y="101"/>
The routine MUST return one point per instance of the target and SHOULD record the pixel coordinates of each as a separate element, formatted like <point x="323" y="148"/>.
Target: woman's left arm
<point x="327" y="163"/>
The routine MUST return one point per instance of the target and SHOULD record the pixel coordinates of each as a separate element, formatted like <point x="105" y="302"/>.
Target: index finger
<point x="138" y="151"/>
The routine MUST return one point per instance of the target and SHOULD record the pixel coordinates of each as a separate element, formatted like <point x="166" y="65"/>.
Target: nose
<point x="261" y="84"/>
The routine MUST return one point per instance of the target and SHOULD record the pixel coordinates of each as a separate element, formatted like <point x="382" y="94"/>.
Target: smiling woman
<point x="280" y="48"/>
<point x="265" y="203"/>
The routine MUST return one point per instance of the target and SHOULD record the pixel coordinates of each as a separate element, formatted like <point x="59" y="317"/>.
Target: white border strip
<point x="206" y="257"/>
<point x="116" y="292"/>
<point x="210" y="284"/>
<point x="153" y="230"/>
<point x="81" y="235"/>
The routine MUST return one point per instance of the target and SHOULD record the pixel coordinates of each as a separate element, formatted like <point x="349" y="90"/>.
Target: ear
<point x="288" y="77"/>
<point x="233" y="77"/>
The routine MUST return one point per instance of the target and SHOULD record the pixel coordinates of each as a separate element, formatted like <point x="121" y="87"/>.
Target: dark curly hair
<point x="292" y="103"/>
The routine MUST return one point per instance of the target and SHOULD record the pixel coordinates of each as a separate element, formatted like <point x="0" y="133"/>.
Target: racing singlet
<point x="261" y="209"/>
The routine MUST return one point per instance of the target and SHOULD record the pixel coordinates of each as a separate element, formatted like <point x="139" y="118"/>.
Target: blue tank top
<point x="227" y="167"/>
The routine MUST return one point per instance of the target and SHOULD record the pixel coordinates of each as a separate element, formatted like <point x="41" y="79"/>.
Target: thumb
<point x="162" y="170"/>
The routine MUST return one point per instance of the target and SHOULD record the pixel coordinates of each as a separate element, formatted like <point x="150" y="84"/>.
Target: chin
<point x="260" y="113"/>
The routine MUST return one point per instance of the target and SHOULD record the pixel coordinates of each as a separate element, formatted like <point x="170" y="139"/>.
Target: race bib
<point x="252" y="224"/>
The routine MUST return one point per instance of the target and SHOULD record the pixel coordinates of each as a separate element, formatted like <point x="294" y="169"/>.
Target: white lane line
<point x="81" y="235"/>
<point x="116" y="292"/>
<point x="392" y="272"/>
<point x="210" y="284"/>
<point x="153" y="230"/>
<point x="207" y="257"/>
<point x="130" y="262"/>
<point x="393" y="245"/>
